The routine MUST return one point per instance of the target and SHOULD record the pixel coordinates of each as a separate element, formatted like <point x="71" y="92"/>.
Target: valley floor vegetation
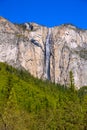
<point x="28" y="103"/>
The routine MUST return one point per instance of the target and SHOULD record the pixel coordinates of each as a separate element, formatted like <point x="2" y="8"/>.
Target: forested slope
<point x="27" y="103"/>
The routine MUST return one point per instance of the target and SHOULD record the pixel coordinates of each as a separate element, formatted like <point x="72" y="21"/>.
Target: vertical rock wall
<point x="47" y="53"/>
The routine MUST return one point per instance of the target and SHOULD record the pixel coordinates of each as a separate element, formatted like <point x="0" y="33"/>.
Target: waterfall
<point x="47" y="52"/>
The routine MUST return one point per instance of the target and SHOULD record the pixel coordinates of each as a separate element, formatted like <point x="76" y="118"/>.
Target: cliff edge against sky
<point x="47" y="53"/>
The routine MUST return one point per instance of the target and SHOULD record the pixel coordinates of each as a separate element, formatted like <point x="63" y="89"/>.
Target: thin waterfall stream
<point x="48" y="45"/>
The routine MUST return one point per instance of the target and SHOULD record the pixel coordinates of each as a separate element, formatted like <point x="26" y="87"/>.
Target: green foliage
<point x="28" y="103"/>
<point x="22" y="26"/>
<point x="72" y="85"/>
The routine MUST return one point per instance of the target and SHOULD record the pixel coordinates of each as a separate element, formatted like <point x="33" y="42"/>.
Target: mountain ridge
<point x="32" y="22"/>
<point x="45" y="51"/>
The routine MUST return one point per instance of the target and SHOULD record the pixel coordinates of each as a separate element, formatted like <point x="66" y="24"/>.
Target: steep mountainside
<point x="47" y="53"/>
<point x="27" y="103"/>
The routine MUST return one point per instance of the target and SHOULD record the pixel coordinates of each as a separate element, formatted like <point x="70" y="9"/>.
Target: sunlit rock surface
<point x="47" y="53"/>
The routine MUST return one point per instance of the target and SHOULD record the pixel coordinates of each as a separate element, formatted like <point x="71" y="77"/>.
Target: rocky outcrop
<point x="47" y="53"/>
<point x="24" y="48"/>
<point x="70" y="54"/>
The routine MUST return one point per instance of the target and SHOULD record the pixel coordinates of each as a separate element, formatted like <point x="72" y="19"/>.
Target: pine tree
<point x="72" y="84"/>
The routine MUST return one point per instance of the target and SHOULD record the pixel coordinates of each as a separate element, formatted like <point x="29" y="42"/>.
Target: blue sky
<point x="45" y="12"/>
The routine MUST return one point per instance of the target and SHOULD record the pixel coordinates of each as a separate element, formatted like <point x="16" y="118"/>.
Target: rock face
<point x="47" y="53"/>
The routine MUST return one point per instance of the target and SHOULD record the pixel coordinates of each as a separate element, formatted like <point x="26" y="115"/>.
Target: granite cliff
<point x="47" y="53"/>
